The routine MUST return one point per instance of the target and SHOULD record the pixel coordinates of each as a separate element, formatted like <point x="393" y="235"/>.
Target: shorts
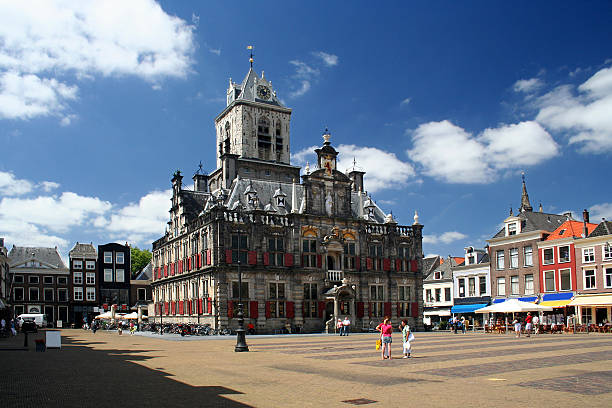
<point x="528" y="326"/>
<point x="387" y="339"/>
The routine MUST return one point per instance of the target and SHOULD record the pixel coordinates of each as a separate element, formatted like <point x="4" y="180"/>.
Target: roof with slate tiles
<point x="603" y="228"/>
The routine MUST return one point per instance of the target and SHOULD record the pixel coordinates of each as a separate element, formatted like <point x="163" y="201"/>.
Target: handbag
<point x="378" y="344"/>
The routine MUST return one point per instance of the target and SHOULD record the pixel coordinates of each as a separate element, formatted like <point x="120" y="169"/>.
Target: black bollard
<point x="25" y="340"/>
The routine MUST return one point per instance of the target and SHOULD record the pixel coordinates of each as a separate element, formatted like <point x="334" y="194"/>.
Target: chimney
<point x="585" y="220"/>
<point x="585" y="215"/>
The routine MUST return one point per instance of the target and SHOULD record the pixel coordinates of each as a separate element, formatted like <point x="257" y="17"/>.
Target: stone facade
<point x="306" y="252"/>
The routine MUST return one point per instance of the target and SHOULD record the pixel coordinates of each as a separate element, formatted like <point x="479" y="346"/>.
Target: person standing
<point x="346" y="325"/>
<point x="13" y="329"/>
<point x="385" y="330"/>
<point x="536" y="325"/>
<point x="407" y="337"/>
<point x="517" y="327"/>
<point x="339" y="326"/>
<point x="528" y="324"/>
<point x="463" y="324"/>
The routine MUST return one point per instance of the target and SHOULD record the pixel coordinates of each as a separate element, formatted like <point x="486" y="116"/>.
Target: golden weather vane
<point x="250" y="47"/>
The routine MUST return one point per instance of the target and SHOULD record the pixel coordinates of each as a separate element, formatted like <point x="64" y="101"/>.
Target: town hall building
<point x="308" y="248"/>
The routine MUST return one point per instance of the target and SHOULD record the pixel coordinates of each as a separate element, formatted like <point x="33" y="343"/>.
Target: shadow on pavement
<point x="79" y="376"/>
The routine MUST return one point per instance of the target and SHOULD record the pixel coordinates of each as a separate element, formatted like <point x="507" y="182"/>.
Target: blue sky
<point x="443" y="104"/>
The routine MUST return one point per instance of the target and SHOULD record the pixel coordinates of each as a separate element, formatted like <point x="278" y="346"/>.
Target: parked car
<point x="28" y="326"/>
<point x="38" y="318"/>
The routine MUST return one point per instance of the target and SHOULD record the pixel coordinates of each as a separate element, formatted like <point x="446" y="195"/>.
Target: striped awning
<point x="556" y="303"/>
<point x="557" y="299"/>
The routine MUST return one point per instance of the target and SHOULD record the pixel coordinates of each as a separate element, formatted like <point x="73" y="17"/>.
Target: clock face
<point x="263" y="92"/>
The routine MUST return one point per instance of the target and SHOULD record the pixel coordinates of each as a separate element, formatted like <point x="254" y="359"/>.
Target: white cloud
<point x="445" y="238"/>
<point x="216" y="51"/>
<point x="49" y="185"/>
<point x="11" y="186"/>
<point x="394" y="174"/>
<point x="449" y="153"/>
<point x="405" y="102"/>
<point x="46" y="44"/>
<point x="599" y="211"/>
<point x="305" y="87"/>
<point x="528" y="85"/>
<point x="329" y="60"/>
<point x="583" y="115"/>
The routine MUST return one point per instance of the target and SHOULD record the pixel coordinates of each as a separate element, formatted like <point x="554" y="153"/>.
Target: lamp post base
<point x="241" y="341"/>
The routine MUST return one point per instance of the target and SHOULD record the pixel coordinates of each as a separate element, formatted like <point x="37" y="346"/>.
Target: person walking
<point x="463" y="324"/>
<point x="407" y="337"/>
<point x="517" y="327"/>
<point x="528" y="324"/>
<point x="346" y="325"/>
<point x="536" y="325"/>
<point x="385" y="330"/>
<point x="13" y="329"/>
<point x="339" y="326"/>
<point x="94" y="326"/>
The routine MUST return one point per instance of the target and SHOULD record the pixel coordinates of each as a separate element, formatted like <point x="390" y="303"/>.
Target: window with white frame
<point x="377" y="297"/>
<point x="438" y="294"/>
<point x="514" y="257"/>
<point x="403" y="300"/>
<point x="514" y="285"/>
<point x="564" y="253"/>
<point x="588" y="255"/>
<point x="589" y="279"/>
<point x="78" y="293"/>
<point x="472" y="287"/>
<point x="437" y="275"/>
<point x="62" y="295"/>
<point x="90" y="265"/>
<point x="565" y="279"/>
<point x="549" y="281"/>
<point x="78" y="278"/>
<point x="77" y="264"/>
<point x="108" y="275"/>
<point x="607" y="251"/>
<point x="428" y="297"/>
<point x="276" y="294"/>
<point x="608" y="277"/>
<point x="18" y="294"/>
<point x="62" y="280"/>
<point x="119" y="257"/>
<point x="120" y="275"/>
<point x="461" y="282"/>
<point x="90" y="278"/>
<point x="587" y="315"/>
<point x="18" y="279"/>
<point x="48" y="280"/>
<point x="91" y="294"/>
<point x="48" y="294"/>
<point x="108" y="257"/>
<point x="33" y="279"/>
<point x="548" y="256"/>
<point x="528" y="256"/>
<point x="500" y="259"/>
<point x="501" y="286"/>
<point x="512" y="229"/>
<point x="529" y="285"/>
<point x="482" y="283"/>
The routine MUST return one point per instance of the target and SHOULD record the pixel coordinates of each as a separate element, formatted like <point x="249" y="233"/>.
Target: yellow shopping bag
<point x="378" y="344"/>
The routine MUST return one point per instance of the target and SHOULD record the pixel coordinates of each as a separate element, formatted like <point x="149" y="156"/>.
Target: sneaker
<point x="405" y="357"/>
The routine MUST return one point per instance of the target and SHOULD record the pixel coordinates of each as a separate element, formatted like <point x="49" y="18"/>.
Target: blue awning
<point x="523" y="299"/>
<point x="557" y="296"/>
<point x="499" y="300"/>
<point x="467" y="308"/>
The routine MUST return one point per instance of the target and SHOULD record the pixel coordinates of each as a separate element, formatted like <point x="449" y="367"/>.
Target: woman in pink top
<point x="385" y="330"/>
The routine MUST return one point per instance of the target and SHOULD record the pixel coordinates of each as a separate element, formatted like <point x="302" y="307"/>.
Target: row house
<point x="438" y="289"/>
<point x="472" y="284"/>
<point x="515" y="269"/>
<point x="84" y="283"/>
<point x="5" y="282"/>
<point x="558" y="278"/>
<point x="593" y="256"/>
<point x="140" y="293"/>
<point x="114" y="273"/>
<point x="305" y="252"/>
<point x="40" y="283"/>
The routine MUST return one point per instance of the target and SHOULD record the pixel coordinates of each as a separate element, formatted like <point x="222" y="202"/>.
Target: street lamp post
<point x="240" y="332"/>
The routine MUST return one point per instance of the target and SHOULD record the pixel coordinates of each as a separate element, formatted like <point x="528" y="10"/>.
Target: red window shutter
<point x="319" y="261"/>
<point x="415" y="309"/>
<point x="399" y="309"/>
<point x="181" y="266"/>
<point x="253" y="309"/>
<point x="199" y="306"/>
<point x="387" y="307"/>
<point x="208" y="257"/>
<point x="228" y="256"/>
<point x="181" y="307"/>
<point x="359" y="310"/>
<point x="230" y="309"/>
<point x="189" y="263"/>
<point x="386" y="264"/>
<point x="209" y="305"/>
<point x="266" y="258"/>
<point x="398" y="264"/>
<point x="199" y="261"/>
<point x="370" y="309"/>
<point x="166" y="308"/>
<point x="321" y="309"/>
<point x="268" y="314"/>
<point x="369" y="264"/>
<point x="172" y="307"/>
<point x="288" y="259"/>
<point x="165" y="271"/>
<point x="413" y="265"/>
<point x="252" y="257"/>
<point x="290" y="308"/>
<point x="358" y="263"/>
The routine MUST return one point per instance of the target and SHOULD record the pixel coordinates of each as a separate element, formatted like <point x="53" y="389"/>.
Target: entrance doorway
<point x="50" y="316"/>
<point x="601" y="315"/>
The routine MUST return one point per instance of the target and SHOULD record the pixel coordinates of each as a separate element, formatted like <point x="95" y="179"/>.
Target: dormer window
<point x="470" y="260"/>
<point x="437" y="275"/>
<point x="280" y="201"/>
<point x="512" y="230"/>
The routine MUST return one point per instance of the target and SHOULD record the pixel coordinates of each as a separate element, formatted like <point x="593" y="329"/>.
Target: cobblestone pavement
<point x="471" y="370"/>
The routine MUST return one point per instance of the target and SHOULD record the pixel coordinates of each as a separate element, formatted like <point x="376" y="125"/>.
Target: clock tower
<point x="254" y="124"/>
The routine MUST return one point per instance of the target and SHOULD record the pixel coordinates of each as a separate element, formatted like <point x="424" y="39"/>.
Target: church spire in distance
<point x="525" y="205"/>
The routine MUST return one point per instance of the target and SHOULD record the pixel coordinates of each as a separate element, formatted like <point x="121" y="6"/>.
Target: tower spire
<point x="525" y="205"/>
<point x="250" y="47"/>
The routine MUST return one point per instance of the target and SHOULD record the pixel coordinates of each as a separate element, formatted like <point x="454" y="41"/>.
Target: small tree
<point x="140" y="259"/>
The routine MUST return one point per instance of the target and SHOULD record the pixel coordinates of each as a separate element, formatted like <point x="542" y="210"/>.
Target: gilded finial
<point x="250" y="47"/>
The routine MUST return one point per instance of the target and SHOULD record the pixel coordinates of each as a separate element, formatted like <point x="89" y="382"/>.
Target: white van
<point x="38" y="318"/>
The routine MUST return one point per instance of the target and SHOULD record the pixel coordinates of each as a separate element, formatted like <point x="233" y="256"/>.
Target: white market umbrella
<point x="130" y="316"/>
<point x="514" y="306"/>
<point x="106" y="315"/>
